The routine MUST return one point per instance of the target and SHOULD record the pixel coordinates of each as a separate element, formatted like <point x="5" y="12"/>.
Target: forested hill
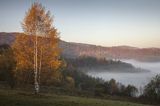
<point x="73" y="50"/>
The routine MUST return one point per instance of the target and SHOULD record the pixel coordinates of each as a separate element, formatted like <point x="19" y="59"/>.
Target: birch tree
<point x="37" y="48"/>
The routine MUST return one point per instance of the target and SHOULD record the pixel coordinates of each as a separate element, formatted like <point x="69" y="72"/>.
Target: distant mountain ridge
<point x="73" y="50"/>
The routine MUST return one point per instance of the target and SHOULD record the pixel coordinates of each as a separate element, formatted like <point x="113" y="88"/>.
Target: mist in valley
<point x="138" y="79"/>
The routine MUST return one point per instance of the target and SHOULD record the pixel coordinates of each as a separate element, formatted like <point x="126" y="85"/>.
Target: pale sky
<point x="100" y="22"/>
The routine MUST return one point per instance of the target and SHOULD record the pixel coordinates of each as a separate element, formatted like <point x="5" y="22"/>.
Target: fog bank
<point x="136" y="79"/>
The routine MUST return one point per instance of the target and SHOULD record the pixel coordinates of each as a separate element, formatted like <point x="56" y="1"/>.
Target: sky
<point x="99" y="22"/>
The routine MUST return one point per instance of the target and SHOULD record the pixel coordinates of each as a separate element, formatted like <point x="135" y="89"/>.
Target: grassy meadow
<point x="23" y="98"/>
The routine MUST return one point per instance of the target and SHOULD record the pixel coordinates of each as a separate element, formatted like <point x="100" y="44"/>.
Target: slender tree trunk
<point x="34" y="38"/>
<point x="40" y="66"/>
<point x="36" y="84"/>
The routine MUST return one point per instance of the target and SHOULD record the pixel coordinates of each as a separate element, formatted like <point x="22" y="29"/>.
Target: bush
<point x="152" y="89"/>
<point x="7" y="65"/>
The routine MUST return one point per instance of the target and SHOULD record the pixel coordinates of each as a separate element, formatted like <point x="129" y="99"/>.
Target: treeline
<point x="101" y="64"/>
<point x="87" y="61"/>
<point x="72" y="79"/>
<point x="69" y="77"/>
<point x="114" y="88"/>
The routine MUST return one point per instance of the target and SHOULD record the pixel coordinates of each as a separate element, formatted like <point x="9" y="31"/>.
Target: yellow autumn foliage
<point x="37" y="24"/>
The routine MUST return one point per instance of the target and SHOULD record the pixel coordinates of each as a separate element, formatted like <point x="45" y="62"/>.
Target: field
<point x="22" y="98"/>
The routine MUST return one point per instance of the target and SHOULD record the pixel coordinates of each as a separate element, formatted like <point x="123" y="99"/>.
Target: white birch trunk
<point x="40" y="66"/>
<point x="36" y="84"/>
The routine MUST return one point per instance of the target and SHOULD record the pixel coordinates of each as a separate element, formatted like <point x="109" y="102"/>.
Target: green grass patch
<point x="21" y="98"/>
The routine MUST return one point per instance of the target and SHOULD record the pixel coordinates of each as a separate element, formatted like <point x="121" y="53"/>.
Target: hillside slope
<point x="17" y="98"/>
<point x="72" y="50"/>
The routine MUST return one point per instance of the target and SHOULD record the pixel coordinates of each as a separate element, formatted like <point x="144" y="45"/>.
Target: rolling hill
<point x="73" y="50"/>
